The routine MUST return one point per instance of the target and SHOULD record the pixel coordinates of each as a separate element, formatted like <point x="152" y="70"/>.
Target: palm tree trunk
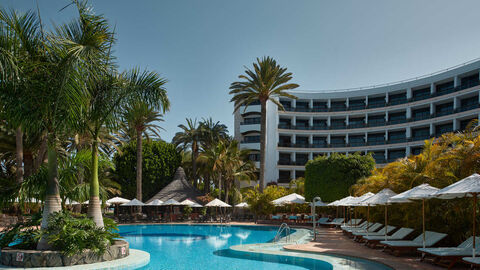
<point x="139" y="165"/>
<point x="226" y="193"/>
<point x="19" y="154"/>
<point x="219" y="186"/>
<point x="94" y="209"/>
<point x="27" y="164"/>
<point x="52" y="198"/>
<point x="41" y="155"/>
<point x="194" y="163"/>
<point x="263" y="139"/>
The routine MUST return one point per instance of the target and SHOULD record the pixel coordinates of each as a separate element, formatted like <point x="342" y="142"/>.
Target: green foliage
<point x="187" y="210"/>
<point x="24" y="234"/>
<point x="71" y="235"/>
<point x="260" y="203"/>
<point x="160" y="160"/>
<point x="331" y="177"/>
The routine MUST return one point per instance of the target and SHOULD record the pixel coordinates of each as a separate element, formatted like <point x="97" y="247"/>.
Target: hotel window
<point x="444" y="88"/>
<point x="421" y="94"/>
<point x="444" y="109"/>
<point x="441" y="129"/>
<point x="421" y="134"/>
<point x="395" y="99"/>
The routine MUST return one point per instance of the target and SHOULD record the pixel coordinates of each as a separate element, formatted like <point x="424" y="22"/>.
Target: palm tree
<point x="190" y="137"/>
<point x="236" y="166"/>
<point x="266" y="82"/>
<point x="20" y="46"/>
<point x="212" y="132"/>
<point x="108" y="96"/>
<point x="214" y="158"/>
<point x="141" y="118"/>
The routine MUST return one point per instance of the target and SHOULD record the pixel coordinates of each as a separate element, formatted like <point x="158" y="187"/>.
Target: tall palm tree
<point x="266" y="82"/>
<point x="108" y="96"/>
<point x="212" y="132"/>
<point x="20" y="46"/>
<point x="236" y="166"/>
<point x="142" y="119"/>
<point x="190" y="137"/>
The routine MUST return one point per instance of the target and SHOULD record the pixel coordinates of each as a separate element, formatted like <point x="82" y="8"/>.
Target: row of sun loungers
<point x="373" y="236"/>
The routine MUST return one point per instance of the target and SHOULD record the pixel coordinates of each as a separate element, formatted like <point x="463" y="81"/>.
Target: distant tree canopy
<point x="331" y="177"/>
<point x="160" y="160"/>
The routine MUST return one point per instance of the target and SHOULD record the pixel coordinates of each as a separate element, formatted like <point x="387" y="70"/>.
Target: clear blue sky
<point x="201" y="46"/>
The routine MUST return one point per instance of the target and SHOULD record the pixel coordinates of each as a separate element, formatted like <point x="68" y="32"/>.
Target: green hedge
<point x="331" y="177"/>
<point x="160" y="160"/>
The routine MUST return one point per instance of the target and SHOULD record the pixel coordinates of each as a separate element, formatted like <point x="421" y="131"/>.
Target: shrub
<point x="71" y="235"/>
<point x="160" y="160"/>
<point x="331" y="177"/>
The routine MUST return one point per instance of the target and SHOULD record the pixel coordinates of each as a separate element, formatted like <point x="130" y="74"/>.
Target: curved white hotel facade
<point x="391" y="121"/>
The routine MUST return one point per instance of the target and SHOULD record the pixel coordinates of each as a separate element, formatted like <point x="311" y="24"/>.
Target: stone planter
<point x="38" y="258"/>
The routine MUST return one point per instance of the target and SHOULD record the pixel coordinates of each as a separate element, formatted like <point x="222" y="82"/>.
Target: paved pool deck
<point x="333" y="241"/>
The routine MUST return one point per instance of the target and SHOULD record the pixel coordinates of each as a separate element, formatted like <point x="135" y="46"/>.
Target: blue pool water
<point x="198" y="247"/>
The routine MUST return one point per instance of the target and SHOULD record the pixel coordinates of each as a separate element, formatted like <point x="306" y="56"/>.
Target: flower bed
<point x="40" y="258"/>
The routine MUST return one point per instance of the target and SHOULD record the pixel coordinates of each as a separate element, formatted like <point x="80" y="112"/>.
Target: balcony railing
<point x="356" y="107"/>
<point x="251" y="122"/>
<point x="419" y="117"/>
<point x="376" y="123"/>
<point x="468" y="107"/>
<point x="397" y="101"/>
<point x="397" y="121"/>
<point x="396" y="140"/>
<point x="444" y="112"/>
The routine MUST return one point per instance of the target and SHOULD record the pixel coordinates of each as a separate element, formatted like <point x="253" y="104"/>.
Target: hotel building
<point x="390" y="121"/>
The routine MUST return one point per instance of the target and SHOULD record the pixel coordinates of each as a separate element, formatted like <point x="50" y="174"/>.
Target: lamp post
<point x="314" y="220"/>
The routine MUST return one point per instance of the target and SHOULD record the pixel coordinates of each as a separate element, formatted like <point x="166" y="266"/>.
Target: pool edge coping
<point x="136" y="259"/>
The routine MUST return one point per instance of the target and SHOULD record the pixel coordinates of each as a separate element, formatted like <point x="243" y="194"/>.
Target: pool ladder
<point x="283" y="228"/>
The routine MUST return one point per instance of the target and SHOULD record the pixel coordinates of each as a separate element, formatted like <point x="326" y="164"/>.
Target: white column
<point x="407" y="151"/>
<point x="386" y="155"/>
<point x="366" y="119"/>
<point x="386" y="116"/>
<point x="347" y="102"/>
<point x="346" y="138"/>
<point x="432" y="88"/>
<point x="409" y="93"/>
<point x="432" y="108"/>
<point x="328" y="139"/>
<point x="329" y="121"/>
<point x="294" y="121"/>
<point x="310" y="156"/>
<point x="432" y="130"/>
<point x="408" y="132"/>
<point x="310" y="139"/>
<point x="455" y="124"/>
<point x="347" y="120"/>
<point x="366" y="137"/>
<point x="409" y="112"/>
<point x="456" y="103"/>
<point x="311" y="103"/>
<point x="386" y="135"/>
<point x="294" y="103"/>
<point x="456" y="81"/>
<point x="366" y="101"/>
<point x="386" y="98"/>
<point x="329" y="104"/>
<point x="294" y="139"/>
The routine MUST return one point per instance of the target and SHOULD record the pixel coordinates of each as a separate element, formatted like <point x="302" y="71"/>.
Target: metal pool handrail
<point x="283" y="227"/>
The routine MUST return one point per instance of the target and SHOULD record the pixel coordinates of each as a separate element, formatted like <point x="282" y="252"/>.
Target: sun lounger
<point x="401" y="246"/>
<point x="474" y="262"/>
<point x="449" y="256"/>
<point x="320" y="220"/>
<point x="352" y="223"/>
<point x="358" y="236"/>
<point x="333" y="223"/>
<point x="371" y="228"/>
<point x="361" y="225"/>
<point x="373" y="240"/>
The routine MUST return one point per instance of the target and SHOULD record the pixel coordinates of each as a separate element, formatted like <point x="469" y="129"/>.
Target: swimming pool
<point x="208" y="247"/>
